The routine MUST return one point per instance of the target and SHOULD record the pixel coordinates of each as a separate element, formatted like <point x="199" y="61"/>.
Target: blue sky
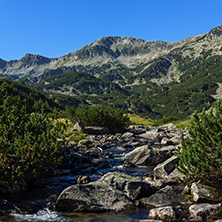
<point x="53" y="28"/>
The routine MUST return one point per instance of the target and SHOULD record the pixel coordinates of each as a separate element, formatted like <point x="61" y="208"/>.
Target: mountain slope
<point x="154" y="78"/>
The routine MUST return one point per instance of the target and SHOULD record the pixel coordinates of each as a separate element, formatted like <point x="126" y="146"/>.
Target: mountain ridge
<point x="148" y="77"/>
<point x="127" y="52"/>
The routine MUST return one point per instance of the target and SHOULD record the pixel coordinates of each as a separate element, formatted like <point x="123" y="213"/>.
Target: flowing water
<point x="35" y="202"/>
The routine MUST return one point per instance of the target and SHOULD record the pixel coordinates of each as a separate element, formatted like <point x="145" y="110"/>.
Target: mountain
<point x="149" y="77"/>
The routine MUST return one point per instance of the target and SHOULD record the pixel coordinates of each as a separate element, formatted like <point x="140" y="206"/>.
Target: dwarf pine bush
<point x="29" y="144"/>
<point x="201" y="153"/>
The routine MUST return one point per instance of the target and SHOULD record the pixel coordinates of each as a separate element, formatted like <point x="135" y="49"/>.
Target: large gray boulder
<point x="96" y="130"/>
<point x="153" y="134"/>
<point x="164" y="197"/>
<point x="204" y="210"/>
<point x="79" y="126"/>
<point x="200" y="193"/>
<point x="114" y="191"/>
<point x="163" y="170"/>
<point x="167" y="213"/>
<point x="148" y="156"/>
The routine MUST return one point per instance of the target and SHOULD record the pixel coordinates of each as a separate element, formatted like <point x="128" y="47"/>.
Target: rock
<point x="176" y="174"/>
<point x="91" y="197"/>
<point x="127" y="135"/>
<point x="136" y="129"/>
<point x="200" y="193"/>
<point x="163" y="170"/>
<point x="96" y="130"/>
<point x="166" y="141"/>
<point x="148" y="156"/>
<point x="114" y="191"/>
<point x="153" y="134"/>
<point x="169" y="126"/>
<point x="83" y="179"/>
<point x="79" y="126"/>
<point x="6" y="188"/>
<point x="148" y="220"/>
<point x="203" y="210"/>
<point x="6" y="207"/>
<point x="167" y="213"/>
<point x="132" y="187"/>
<point x="76" y="157"/>
<point x="164" y="197"/>
<point x="85" y="142"/>
<point x="160" y="183"/>
<point x="176" y="139"/>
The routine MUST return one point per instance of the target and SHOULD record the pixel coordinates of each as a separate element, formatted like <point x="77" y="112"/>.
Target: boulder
<point x="167" y="213"/>
<point x="153" y="134"/>
<point x="12" y="188"/>
<point x="136" y="129"/>
<point x="176" y="139"/>
<point x="114" y="191"/>
<point x="166" y="141"/>
<point x="79" y="126"/>
<point x="203" y="210"/>
<point x="127" y="135"/>
<point x="164" y="197"/>
<point x="95" y="130"/>
<point x="149" y="220"/>
<point x="6" y="207"/>
<point x="200" y="193"/>
<point x="169" y="126"/>
<point x="161" y="183"/>
<point x="148" y="156"/>
<point x="163" y="170"/>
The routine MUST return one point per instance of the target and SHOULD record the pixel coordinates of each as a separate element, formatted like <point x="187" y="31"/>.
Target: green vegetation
<point x="29" y="141"/>
<point x="34" y="99"/>
<point x="200" y="154"/>
<point x="165" y="120"/>
<point x="198" y="82"/>
<point x="113" y="119"/>
<point x="77" y="136"/>
<point x="138" y="120"/>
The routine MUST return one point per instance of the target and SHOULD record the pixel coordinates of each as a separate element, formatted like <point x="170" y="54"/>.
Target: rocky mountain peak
<point x="31" y="60"/>
<point x="2" y="63"/>
<point x="115" y="53"/>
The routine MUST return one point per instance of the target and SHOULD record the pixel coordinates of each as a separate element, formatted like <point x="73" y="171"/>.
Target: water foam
<point x="42" y="215"/>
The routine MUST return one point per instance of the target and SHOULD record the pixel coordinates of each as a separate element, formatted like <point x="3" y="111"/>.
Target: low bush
<point x="114" y="119"/>
<point x="201" y="152"/>
<point x="165" y="120"/>
<point x="29" y="142"/>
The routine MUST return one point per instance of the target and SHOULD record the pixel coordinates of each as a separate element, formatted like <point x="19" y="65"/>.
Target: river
<point x="35" y="203"/>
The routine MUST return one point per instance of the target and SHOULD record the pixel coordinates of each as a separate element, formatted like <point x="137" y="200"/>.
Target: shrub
<point x="165" y="120"/>
<point x="201" y="153"/>
<point x="29" y="143"/>
<point x="113" y="119"/>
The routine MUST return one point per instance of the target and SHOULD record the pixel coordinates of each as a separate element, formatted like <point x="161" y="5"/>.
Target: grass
<point x="138" y="120"/>
<point x="183" y="124"/>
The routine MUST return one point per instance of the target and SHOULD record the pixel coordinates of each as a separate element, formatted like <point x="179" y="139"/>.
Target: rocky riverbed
<point x="127" y="176"/>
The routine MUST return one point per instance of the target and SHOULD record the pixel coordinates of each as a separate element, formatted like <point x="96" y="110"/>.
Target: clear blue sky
<point x="53" y="28"/>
